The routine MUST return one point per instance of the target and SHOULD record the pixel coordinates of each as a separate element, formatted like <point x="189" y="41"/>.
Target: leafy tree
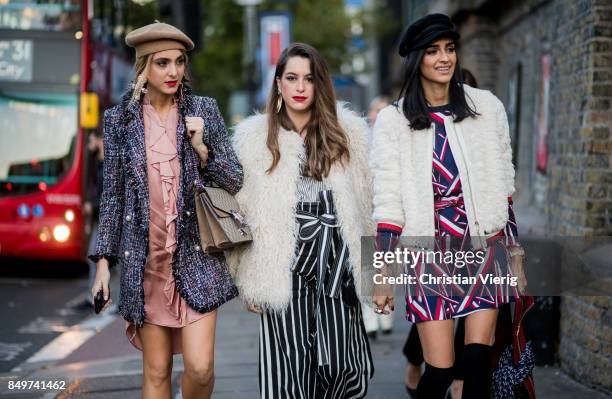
<point x="140" y="14"/>
<point x="324" y="25"/>
<point x="218" y="67"/>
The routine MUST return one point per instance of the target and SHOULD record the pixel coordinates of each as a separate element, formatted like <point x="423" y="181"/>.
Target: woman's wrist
<point x="201" y="149"/>
<point x="516" y="250"/>
<point x="103" y="263"/>
<point x="202" y="152"/>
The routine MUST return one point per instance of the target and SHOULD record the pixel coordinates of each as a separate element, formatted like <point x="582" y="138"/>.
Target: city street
<point x="37" y="300"/>
<point x="43" y="338"/>
<point x="486" y="124"/>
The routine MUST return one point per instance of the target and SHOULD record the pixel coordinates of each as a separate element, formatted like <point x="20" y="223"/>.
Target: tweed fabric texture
<point x="202" y="280"/>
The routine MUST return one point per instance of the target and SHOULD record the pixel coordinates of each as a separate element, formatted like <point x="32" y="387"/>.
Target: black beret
<point x="425" y="31"/>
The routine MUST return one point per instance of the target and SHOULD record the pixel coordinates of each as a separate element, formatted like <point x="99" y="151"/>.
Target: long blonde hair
<point x="326" y="142"/>
<point x="141" y="67"/>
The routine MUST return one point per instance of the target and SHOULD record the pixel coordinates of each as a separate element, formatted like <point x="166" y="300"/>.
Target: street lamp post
<point x="250" y="43"/>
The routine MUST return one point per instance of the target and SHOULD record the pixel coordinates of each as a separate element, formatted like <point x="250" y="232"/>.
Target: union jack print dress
<point x="468" y="287"/>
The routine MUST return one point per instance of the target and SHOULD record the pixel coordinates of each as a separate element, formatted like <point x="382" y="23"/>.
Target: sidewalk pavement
<point x="108" y="367"/>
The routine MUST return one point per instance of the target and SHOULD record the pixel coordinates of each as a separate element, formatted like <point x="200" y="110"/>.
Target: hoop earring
<point x="279" y="102"/>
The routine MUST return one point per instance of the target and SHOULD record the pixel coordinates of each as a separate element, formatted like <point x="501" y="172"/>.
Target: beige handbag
<point x="222" y="225"/>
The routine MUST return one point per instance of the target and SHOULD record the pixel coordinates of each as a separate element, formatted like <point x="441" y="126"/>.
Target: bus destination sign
<point x="16" y="60"/>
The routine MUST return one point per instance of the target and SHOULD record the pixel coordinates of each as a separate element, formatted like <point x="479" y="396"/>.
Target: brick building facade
<point x="550" y="62"/>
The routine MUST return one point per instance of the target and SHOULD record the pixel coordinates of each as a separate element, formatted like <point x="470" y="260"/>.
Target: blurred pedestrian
<point x="307" y="197"/>
<point x="372" y="320"/>
<point x="378" y="103"/>
<point x="162" y="144"/>
<point x="446" y="146"/>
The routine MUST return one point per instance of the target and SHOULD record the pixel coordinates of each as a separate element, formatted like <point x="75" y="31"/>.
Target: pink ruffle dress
<point x="163" y="304"/>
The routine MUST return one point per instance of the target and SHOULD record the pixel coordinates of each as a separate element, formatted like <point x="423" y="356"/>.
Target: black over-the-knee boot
<point x="477" y="374"/>
<point x="434" y="382"/>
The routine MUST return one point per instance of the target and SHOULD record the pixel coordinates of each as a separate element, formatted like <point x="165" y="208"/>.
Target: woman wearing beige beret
<point x="162" y="144"/>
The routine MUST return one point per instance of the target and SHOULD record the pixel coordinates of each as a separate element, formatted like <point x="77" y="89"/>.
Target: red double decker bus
<point x="47" y="66"/>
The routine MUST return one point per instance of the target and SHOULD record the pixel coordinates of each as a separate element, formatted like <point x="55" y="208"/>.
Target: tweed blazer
<point x="202" y="280"/>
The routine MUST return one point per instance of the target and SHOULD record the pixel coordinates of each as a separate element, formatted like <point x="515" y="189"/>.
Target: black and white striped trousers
<point x="289" y="362"/>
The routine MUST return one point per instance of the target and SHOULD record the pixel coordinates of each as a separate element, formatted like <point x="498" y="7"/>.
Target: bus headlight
<point x="61" y="232"/>
<point x="69" y="215"/>
<point x="44" y="234"/>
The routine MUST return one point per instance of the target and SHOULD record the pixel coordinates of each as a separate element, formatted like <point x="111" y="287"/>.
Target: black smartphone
<point x="99" y="301"/>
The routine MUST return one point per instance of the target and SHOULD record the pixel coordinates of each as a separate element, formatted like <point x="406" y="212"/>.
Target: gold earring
<point x="279" y="102"/>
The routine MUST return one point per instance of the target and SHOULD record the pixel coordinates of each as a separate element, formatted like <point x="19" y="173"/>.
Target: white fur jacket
<point x="401" y="164"/>
<point x="262" y="270"/>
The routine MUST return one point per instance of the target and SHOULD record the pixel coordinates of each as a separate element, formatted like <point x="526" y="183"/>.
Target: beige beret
<point x="157" y="37"/>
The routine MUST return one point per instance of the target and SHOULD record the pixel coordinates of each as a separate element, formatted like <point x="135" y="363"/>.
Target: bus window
<point x="49" y="15"/>
<point x="37" y="141"/>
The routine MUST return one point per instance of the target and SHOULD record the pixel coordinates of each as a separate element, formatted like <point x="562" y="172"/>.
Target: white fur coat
<point x="262" y="270"/>
<point x="401" y="162"/>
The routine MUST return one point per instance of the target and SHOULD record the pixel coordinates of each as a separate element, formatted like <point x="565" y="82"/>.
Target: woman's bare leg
<point x="480" y="327"/>
<point x="437" y="342"/>
<point x="198" y="340"/>
<point x="157" y="361"/>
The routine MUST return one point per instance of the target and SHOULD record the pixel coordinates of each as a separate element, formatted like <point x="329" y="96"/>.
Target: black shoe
<point x="411" y="392"/>
<point x="387" y="332"/>
<point x="372" y="335"/>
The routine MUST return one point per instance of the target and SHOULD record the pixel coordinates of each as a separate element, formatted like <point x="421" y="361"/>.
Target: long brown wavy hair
<point x="326" y="142"/>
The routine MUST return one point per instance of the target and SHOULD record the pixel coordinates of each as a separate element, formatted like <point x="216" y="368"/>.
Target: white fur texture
<point x="401" y="162"/>
<point x="262" y="270"/>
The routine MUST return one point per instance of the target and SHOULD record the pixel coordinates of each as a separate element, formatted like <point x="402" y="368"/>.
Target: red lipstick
<point x="299" y="98"/>
<point x="171" y="83"/>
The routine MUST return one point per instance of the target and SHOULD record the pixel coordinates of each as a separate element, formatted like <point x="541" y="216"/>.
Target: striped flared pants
<point x="317" y="348"/>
